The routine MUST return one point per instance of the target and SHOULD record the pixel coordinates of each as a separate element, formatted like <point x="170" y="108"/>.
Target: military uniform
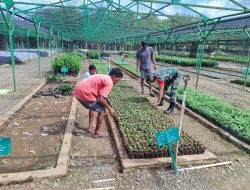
<point x="169" y="77"/>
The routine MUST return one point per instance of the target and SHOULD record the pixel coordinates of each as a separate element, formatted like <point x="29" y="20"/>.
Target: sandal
<point x="152" y="95"/>
<point x="91" y="129"/>
<point x="100" y="135"/>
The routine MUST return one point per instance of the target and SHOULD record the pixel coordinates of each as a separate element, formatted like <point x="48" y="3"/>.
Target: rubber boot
<point x="170" y="108"/>
<point x="161" y="102"/>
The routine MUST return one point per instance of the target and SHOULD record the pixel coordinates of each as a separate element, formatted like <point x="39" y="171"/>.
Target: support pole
<point x="50" y="46"/>
<point x="57" y="44"/>
<point x="6" y="41"/>
<point x="201" y="55"/>
<point x="37" y="27"/>
<point x="10" y="26"/>
<point x="186" y="78"/>
<point x="62" y="46"/>
<point x="11" y="30"/>
<point x="244" y="50"/>
<point x="28" y="43"/>
<point x="172" y="52"/>
<point x="248" y="64"/>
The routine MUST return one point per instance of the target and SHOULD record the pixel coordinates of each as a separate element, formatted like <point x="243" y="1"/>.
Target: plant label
<point x="167" y="137"/>
<point x="5" y="146"/>
<point x="64" y="70"/>
<point x="244" y="72"/>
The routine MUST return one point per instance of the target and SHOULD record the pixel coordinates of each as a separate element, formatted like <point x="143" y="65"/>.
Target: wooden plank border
<point x="131" y="164"/>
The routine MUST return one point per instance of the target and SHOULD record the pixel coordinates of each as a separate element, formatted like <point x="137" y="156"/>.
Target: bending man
<point x="167" y="77"/>
<point x="92" y="93"/>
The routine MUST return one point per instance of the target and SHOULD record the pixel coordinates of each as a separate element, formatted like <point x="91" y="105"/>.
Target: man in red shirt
<point x="92" y="93"/>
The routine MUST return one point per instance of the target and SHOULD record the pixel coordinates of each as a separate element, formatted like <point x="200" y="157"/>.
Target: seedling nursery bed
<point x="138" y="121"/>
<point x="37" y="130"/>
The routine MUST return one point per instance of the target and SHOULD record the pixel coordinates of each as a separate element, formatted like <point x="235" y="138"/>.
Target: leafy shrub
<point x="66" y="88"/>
<point x="53" y="78"/>
<point x="93" y="54"/>
<point x="72" y="61"/>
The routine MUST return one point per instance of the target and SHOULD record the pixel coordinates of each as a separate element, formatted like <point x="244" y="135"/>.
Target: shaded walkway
<point x="26" y="80"/>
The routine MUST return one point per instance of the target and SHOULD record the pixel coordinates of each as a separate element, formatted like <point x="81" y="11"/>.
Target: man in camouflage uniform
<point x="164" y="78"/>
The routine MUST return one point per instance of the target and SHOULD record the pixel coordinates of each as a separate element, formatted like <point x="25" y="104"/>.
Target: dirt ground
<point x="37" y="131"/>
<point x="94" y="164"/>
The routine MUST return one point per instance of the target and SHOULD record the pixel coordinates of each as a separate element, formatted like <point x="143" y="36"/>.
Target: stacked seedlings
<point x="138" y="121"/>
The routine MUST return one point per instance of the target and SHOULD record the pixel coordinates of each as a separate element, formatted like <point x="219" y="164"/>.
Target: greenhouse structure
<point x="169" y="80"/>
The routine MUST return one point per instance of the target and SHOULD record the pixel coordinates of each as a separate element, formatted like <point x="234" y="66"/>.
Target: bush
<point x="72" y="61"/>
<point x="53" y="78"/>
<point x="93" y="54"/>
<point x="66" y="88"/>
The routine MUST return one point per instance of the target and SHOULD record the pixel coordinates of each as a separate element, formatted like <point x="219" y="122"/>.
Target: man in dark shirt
<point x="144" y="59"/>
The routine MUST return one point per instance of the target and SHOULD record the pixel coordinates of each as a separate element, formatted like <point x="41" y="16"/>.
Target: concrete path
<point x="26" y="80"/>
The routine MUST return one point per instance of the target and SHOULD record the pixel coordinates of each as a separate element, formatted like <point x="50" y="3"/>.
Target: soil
<point x="37" y="131"/>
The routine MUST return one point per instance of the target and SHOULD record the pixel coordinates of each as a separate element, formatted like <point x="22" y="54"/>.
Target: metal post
<point x="10" y="26"/>
<point x="248" y="64"/>
<point x="244" y="50"/>
<point x="50" y="46"/>
<point x="172" y="52"/>
<point x="201" y="54"/>
<point x="11" y="30"/>
<point x="62" y="46"/>
<point x="165" y="52"/>
<point x="186" y="78"/>
<point x="99" y="53"/>
<point x="28" y="43"/>
<point x="37" y="27"/>
<point x="57" y="44"/>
